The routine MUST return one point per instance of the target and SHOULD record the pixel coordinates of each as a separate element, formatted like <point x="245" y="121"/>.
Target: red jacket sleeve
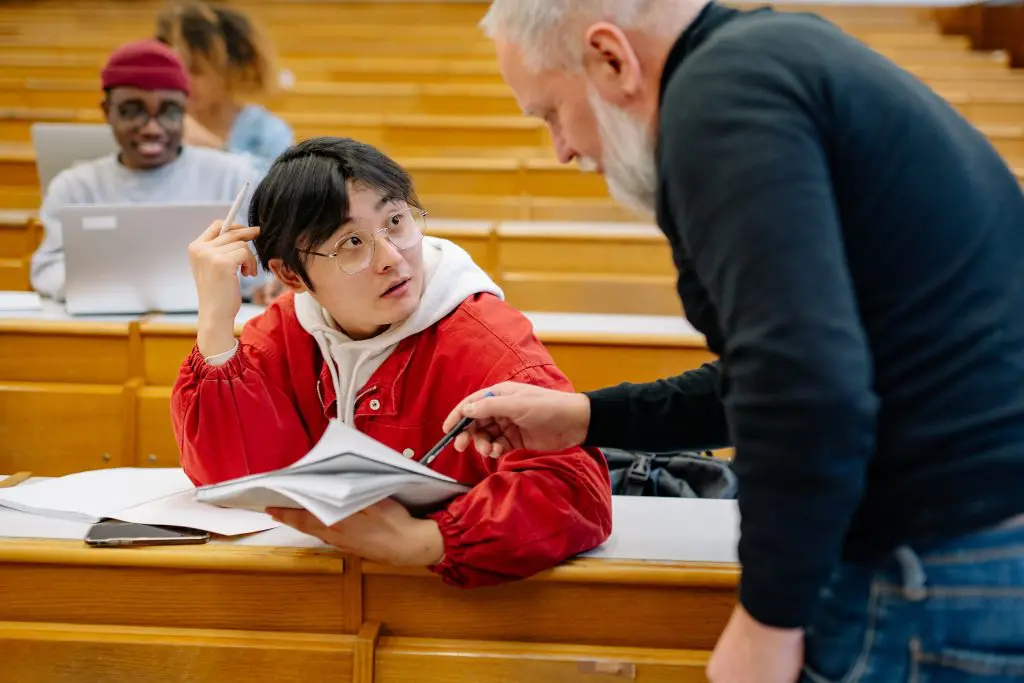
<point x="533" y="512"/>
<point x="238" y="418"/>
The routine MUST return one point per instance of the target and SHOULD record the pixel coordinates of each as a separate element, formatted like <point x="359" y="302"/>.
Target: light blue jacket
<point x="260" y="136"/>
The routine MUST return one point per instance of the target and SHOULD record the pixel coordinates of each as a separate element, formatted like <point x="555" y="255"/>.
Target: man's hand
<point x="750" y="652"/>
<point x="215" y="261"/>
<point x="521" y="416"/>
<point x="384" y="533"/>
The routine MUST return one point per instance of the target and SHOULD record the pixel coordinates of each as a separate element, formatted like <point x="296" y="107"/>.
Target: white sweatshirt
<point x="197" y="175"/>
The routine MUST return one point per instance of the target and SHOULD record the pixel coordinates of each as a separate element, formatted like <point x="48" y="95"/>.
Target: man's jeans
<point x="951" y="614"/>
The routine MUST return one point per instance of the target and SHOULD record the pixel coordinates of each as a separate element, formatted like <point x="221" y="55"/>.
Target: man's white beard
<point x="629" y="165"/>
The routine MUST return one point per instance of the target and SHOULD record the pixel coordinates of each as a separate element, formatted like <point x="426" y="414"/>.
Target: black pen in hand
<point x="449" y="437"/>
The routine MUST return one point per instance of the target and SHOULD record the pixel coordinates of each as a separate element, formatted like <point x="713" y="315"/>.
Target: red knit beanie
<point x="146" y="64"/>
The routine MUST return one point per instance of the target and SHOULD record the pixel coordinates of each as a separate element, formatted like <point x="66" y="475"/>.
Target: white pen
<point x="234" y="209"/>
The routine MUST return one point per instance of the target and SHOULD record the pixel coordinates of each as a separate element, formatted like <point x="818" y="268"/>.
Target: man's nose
<point x="152" y="128"/>
<point x="564" y="152"/>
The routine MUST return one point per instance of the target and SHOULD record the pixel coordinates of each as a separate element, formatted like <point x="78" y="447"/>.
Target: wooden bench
<point x="995" y="101"/>
<point x="341" y="39"/>
<point x="111" y="393"/>
<point x="19" y="237"/>
<point x="581" y="267"/>
<point x="460" y="14"/>
<point x="532" y="188"/>
<point x="587" y="268"/>
<point x="281" y="614"/>
<point x="436" y="68"/>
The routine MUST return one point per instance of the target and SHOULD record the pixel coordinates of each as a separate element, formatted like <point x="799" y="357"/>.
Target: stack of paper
<point x="20" y="301"/>
<point x="344" y="473"/>
<point x="144" y="496"/>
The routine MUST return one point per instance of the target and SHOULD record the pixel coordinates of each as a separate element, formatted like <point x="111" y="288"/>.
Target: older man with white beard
<point x="851" y="248"/>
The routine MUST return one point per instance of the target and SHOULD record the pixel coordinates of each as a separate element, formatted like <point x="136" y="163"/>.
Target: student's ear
<point x="611" y="64"/>
<point x="105" y="107"/>
<point x="286" y="276"/>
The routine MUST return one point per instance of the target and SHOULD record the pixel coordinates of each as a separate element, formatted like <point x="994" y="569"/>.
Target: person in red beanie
<point x="146" y="97"/>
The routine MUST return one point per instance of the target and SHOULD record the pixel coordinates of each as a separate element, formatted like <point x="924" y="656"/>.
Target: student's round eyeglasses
<point x="353" y="253"/>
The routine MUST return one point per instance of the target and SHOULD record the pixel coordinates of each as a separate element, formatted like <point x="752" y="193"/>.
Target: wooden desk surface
<point x="586" y="601"/>
<point x="218" y="612"/>
<point x="192" y="612"/>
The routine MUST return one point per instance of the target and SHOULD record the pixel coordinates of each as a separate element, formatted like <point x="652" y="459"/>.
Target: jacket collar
<point x="382" y="385"/>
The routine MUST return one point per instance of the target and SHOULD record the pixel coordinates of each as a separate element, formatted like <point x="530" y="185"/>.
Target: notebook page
<point x="20" y="301"/>
<point x="277" y="490"/>
<point x="340" y="450"/>
<point x="331" y="497"/>
<point x="92" y="495"/>
<point x="182" y="509"/>
<point x="340" y="438"/>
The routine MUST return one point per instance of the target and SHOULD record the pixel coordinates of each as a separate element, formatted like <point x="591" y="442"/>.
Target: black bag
<point x="681" y="474"/>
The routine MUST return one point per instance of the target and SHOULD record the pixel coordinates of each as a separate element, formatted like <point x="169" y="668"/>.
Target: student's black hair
<point x="304" y="197"/>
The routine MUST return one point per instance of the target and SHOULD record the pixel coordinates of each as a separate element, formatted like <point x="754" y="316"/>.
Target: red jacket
<point x="266" y="407"/>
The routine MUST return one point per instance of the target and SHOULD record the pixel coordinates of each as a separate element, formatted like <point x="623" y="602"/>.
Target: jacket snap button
<point x="408" y="452"/>
<point x="374" y="404"/>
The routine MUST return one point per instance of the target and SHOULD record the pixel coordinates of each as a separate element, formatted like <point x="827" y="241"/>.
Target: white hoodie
<point x="450" y="278"/>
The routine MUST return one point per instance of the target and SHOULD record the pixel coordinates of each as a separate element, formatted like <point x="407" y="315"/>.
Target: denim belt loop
<point x="913" y="574"/>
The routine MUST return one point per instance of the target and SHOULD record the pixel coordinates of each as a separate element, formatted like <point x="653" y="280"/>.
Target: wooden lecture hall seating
<point x="418" y="79"/>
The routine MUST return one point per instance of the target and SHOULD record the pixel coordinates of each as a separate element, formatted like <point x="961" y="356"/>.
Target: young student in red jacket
<point x="386" y="330"/>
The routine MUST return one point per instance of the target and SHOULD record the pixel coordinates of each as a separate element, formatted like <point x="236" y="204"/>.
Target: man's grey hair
<point x="550" y="32"/>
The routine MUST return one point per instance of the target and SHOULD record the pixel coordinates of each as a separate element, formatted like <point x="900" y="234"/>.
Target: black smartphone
<point x="111" y="533"/>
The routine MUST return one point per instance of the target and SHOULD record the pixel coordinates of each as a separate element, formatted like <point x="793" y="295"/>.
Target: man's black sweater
<point x="853" y="250"/>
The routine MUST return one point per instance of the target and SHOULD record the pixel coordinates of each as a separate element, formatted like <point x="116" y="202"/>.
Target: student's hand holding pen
<point x="215" y="259"/>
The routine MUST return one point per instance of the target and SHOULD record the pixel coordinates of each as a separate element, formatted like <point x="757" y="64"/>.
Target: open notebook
<point x="130" y="494"/>
<point x="344" y="473"/>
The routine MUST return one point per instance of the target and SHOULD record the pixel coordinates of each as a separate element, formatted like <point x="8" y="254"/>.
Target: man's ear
<point x="286" y="276"/>
<point x="611" y="64"/>
<point x="105" y="107"/>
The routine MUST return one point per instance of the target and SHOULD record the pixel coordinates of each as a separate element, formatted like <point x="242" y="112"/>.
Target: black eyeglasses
<point x="170" y="115"/>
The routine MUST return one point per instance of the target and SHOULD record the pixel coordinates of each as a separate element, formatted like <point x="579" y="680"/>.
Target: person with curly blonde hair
<point x="230" y="62"/>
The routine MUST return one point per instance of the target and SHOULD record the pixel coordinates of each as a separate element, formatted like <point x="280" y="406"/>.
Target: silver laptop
<point x="132" y="258"/>
<point x="62" y="145"/>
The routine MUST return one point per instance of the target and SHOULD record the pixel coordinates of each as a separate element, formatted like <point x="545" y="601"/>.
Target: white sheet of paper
<point x="182" y="509"/>
<point x="20" y="301"/>
<point x="91" y="495"/>
<point x="672" y="530"/>
<point x="14" y="524"/>
<point x="340" y="438"/>
<point x="345" y="472"/>
<point x="643" y="529"/>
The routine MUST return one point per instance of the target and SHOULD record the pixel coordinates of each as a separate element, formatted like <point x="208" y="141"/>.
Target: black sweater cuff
<point x="609" y="417"/>
<point x="776" y="601"/>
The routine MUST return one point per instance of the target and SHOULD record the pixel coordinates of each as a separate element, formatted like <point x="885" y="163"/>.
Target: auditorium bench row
<point x="456" y="14"/>
<point x="322" y="616"/>
<point x="461" y="187"/>
<point x="107" y="383"/>
<point x="455" y="135"/>
<point x="542" y="266"/>
<point x="995" y="100"/>
<point x="370" y="68"/>
<point x="320" y="39"/>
